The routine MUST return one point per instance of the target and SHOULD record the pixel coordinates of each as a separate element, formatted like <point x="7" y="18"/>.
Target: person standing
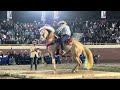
<point x="33" y="55"/>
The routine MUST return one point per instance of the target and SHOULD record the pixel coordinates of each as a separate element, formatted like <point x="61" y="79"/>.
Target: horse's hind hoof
<point x="74" y="71"/>
<point x="54" y="72"/>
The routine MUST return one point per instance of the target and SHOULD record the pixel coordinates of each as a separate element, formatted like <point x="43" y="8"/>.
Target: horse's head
<point x="45" y="32"/>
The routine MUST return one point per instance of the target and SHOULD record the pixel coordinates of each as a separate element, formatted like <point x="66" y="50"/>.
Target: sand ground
<point x="99" y="71"/>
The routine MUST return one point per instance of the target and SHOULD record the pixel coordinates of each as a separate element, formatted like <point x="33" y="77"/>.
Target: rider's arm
<point x="57" y="32"/>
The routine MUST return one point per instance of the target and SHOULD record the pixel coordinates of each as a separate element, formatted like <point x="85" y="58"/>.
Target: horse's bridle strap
<point x="49" y="44"/>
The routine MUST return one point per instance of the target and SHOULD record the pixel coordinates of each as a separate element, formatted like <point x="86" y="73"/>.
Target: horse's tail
<point x="89" y="58"/>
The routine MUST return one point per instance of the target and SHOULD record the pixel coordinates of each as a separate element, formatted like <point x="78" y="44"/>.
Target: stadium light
<point x="56" y="15"/>
<point x="45" y="14"/>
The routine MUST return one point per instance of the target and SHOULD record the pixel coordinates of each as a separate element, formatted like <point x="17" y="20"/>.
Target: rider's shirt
<point x="64" y="29"/>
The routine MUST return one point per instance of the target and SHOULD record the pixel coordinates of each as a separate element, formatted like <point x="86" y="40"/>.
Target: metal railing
<point x="101" y="43"/>
<point x="45" y="44"/>
<point x="20" y="44"/>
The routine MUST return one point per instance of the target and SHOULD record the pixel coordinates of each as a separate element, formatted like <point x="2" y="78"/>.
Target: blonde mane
<point x="49" y="33"/>
<point x="48" y="28"/>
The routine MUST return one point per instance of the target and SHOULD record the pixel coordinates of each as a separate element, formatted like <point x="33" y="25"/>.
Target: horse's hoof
<point x="74" y="71"/>
<point x="54" y="71"/>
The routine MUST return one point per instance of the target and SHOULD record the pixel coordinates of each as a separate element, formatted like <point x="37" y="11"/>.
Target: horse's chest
<point x="49" y="40"/>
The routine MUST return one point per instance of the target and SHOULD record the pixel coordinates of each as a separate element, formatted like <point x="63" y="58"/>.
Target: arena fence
<point x="20" y="44"/>
<point x="108" y="53"/>
<point x="45" y="44"/>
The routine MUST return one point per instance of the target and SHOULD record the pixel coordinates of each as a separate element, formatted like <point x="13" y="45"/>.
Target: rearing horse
<point x="75" y="48"/>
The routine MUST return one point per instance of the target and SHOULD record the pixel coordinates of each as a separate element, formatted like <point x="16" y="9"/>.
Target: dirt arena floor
<point x="99" y="71"/>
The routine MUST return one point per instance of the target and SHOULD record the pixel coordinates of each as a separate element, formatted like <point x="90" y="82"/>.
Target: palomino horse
<point x="75" y="48"/>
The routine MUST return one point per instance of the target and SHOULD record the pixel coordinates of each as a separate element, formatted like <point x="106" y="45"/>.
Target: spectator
<point x="1" y="54"/>
<point x="33" y="55"/>
<point x="11" y="58"/>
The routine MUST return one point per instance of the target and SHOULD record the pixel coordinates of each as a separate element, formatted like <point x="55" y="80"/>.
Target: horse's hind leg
<point x="79" y="63"/>
<point x="74" y="69"/>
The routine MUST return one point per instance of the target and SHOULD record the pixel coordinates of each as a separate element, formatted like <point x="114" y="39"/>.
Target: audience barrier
<point x="108" y="53"/>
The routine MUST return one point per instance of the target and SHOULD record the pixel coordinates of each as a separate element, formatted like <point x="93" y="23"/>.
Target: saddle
<point x="68" y="41"/>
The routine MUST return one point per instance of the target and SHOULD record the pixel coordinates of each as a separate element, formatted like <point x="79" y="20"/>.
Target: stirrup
<point x="63" y="52"/>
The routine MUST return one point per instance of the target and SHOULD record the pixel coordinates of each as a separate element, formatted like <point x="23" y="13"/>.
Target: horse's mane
<point x="48" y="28"/>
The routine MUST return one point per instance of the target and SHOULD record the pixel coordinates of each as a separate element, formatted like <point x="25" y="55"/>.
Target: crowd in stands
<point x="13" y="57"/>
<point x="93" y="31"/>
<point x="18" y="33"/>
<point x="97" y="31"/>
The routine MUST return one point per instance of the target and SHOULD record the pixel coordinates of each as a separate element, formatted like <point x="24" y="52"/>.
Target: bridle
<point x="46" y="38"/>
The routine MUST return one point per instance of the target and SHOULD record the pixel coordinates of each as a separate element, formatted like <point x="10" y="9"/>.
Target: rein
<point x="50" y="44"/>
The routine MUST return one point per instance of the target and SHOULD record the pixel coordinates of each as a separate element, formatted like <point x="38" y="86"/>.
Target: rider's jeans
<point x="63" y="39"/>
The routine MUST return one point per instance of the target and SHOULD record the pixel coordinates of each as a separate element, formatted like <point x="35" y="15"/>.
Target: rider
<point x="64" y="32"/>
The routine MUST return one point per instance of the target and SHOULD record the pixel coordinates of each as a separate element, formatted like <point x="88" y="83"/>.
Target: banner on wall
<point x="103" y="14"/>
<point x="9" y="15"/>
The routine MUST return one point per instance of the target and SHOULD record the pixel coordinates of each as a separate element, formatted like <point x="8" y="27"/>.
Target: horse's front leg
<point x="53" y="61"/>
<point x="52" y="53"/>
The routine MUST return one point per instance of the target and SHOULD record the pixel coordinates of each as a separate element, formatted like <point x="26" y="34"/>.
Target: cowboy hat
<point x="62" y="22"/>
